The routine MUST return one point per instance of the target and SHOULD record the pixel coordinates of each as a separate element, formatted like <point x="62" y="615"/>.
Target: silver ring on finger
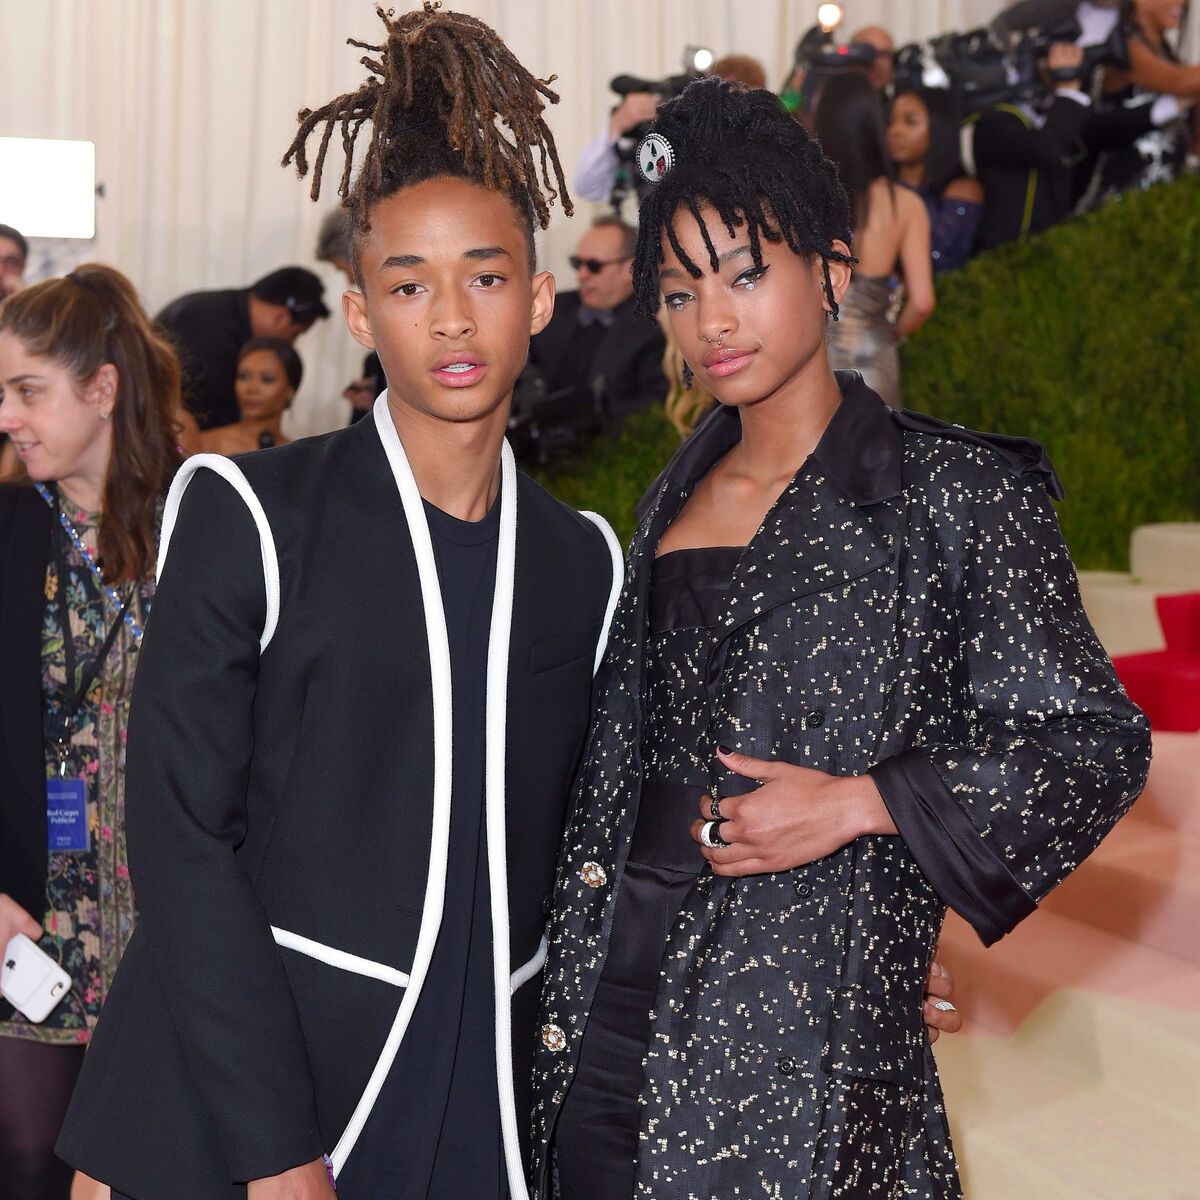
<point x="714" y="807"/>
<point x="710" y="835"/>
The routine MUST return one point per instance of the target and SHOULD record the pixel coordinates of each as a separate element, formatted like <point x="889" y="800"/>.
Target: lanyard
<point x="52" y="502"/>
<point x="74" y="701"/>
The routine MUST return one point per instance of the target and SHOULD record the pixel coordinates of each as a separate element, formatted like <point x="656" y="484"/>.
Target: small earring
<point x="687" y="377"/>
<point x="105" y="416"/>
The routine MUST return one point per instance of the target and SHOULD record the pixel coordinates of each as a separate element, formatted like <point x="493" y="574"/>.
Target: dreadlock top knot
<point x="444" y="97"/>
<point x="739" y="152"/>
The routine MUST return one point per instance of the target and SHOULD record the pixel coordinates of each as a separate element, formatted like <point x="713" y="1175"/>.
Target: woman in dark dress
<point x="849" y="683"/>
<point x="923" y="141"/>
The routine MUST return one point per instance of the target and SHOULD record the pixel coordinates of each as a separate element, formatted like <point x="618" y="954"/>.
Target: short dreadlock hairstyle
<point x="744" y="155"/>
<point x="437" y="93"/>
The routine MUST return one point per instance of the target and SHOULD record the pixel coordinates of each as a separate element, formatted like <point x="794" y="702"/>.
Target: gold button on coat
<point x="553" y="1038"/>
<point x="593" y="874"/>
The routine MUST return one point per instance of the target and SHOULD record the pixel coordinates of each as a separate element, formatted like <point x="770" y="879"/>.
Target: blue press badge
<point x="66" y="814"/>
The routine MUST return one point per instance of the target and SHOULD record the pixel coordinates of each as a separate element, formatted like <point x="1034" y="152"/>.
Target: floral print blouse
<point x="89" y="911"/>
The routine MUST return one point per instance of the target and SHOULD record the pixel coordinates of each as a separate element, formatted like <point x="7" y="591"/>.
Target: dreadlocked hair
<point x="741" y="153"/>
<point x="439" y="90"/>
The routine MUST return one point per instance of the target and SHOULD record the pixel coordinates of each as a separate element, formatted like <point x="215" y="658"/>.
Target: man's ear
<point x="542" y="308"/>
<point x="354" y="306"/>
<point x="839" y="273"/>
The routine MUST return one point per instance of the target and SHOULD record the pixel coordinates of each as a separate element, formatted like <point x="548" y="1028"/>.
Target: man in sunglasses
<point x="594" y="344"/>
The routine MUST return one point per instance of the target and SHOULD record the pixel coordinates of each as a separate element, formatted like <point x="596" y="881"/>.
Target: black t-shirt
<point x="208" y="329"/>
<point x="434" y="1133"/>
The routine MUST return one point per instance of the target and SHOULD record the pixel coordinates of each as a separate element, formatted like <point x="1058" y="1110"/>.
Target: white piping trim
<point x="618" y="566"/>
<point x="342" y="959"/>
<point x="522" y="975"/>
<point x="494" y="790"/>
<point x="232" y="474"/>
<point x="439" y="666"/>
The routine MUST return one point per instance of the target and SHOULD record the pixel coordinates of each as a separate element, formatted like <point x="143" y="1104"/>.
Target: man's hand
<point x="797" y="816"/>
<point x="309" y="1182"/>
<point x="636" y="109"/>
<point x="939" y="987"/>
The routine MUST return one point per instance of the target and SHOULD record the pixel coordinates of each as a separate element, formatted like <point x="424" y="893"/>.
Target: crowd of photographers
<point x="947" y="149"/>
<point x="1000" y="133"/>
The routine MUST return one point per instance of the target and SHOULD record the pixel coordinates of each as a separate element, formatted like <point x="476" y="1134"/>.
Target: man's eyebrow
<point x="486" y="252"/>
<point x="401" y="260"/>
<point x="478" y="254"/>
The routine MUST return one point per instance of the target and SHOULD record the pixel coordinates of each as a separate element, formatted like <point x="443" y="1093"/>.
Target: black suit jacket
<point x="25" y="527"/>
<point x="627" y="366"/>
<point x="1022" y="167"/>
<point x="208" y="329"/>
<point x="288" y="809"/>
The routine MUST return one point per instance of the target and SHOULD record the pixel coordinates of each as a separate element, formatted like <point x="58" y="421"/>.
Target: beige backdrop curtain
<point x="191" y="103"/>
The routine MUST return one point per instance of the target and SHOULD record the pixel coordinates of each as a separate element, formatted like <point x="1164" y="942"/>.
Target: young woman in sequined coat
<point x="849" y="684"/>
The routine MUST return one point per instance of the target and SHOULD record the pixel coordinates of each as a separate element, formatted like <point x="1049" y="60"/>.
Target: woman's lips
<point x="725" y="362"/>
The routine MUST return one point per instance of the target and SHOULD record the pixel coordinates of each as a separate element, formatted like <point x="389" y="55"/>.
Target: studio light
<point x="697" y="59"/>
<point x="829" y="16"/>
<point x="48" y="187"/>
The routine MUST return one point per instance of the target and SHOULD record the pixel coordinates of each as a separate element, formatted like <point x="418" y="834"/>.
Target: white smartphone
<point x="31" y="981"/>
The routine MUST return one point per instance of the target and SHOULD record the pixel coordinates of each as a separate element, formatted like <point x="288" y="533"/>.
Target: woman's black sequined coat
<point x="908" y="608"/>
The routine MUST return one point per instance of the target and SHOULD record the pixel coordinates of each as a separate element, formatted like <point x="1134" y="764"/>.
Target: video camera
<point x="696" y="61"/>
<point x="1003" y="62"/>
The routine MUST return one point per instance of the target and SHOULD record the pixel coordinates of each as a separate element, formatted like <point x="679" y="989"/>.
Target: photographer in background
<point x="594" y="342"/>
<point x="209" y="329"/>
<point x="881" y="69"/>
<point x="1157" y="85"/>
<point x="1025" y="158"/>
<point x="598" y="164"/>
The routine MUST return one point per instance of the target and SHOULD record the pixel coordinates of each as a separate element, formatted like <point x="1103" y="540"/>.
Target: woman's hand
<point x="14" y="919"/>
<point x="797" y="816"/>
<point x="309" y="1182"/>
<point x="939" y="987"/>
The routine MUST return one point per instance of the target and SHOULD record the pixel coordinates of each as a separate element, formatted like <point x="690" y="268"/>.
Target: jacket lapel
<point x="21" y="600"/>
<point x="814" y="539"/>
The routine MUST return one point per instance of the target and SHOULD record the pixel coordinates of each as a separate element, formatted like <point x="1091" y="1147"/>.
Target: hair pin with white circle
<point x="655" y="157"/>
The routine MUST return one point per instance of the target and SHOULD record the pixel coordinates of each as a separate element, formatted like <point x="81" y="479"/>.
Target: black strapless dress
<point x="597" y="1135"/>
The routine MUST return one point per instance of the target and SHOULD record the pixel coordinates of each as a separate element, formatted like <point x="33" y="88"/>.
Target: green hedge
<point x="611" y="475"/>
<point x="1086" y="338"/>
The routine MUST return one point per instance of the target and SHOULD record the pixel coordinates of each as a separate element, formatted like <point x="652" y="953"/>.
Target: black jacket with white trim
<point x="288" y="791"/>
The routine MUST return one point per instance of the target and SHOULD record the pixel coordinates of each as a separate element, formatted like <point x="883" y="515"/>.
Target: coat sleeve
<point x="1054" y="752"/>
<point x="191" y="737"/>
<point x="1003" y="140"/>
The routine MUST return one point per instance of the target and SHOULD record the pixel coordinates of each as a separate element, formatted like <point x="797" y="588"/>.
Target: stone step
<point x="1093" y="1096"/>
<point x="1167" y="555"/>
<point x="1121" y="611"/>
<point x="1142" y="884"/>
<point x="1172" y="795"/>
<point x="998" y="987"/>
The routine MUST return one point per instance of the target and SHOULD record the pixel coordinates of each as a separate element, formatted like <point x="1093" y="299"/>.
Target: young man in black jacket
<point x="363" y="694"/>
